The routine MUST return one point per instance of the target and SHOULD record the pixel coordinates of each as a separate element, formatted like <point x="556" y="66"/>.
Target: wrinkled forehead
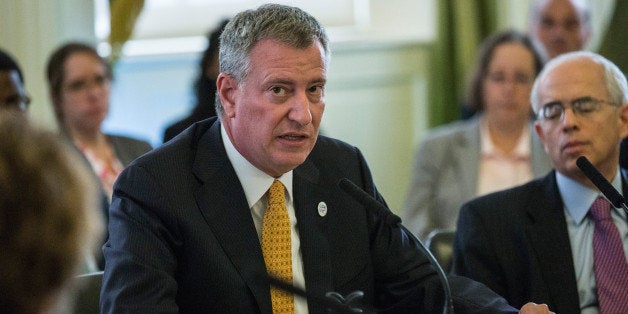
<point x="559" y="9"/>
<point x="573" y="79"/>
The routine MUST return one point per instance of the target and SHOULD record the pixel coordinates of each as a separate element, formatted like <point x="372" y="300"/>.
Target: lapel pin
<point x="322" y="209"/>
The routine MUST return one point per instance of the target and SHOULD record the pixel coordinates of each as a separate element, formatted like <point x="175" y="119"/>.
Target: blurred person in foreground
<point x="12" y="93"/>
<point x="559" y="26"/>
<point x="493" y="150"/>
<point x="550" y="240"/>
<point x="190" y="230"/>
<point x="204" y="86"/>
<point x="47" y="217"/>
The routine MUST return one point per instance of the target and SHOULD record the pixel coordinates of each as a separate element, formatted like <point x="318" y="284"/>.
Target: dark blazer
<point x="127" y="148"/>
<point x="516" y="242"/>
<point x="182" y="238"/>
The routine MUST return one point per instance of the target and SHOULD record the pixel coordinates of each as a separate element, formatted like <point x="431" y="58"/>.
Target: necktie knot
<point x="276" y="193"/>
<point x="600" y="210"/>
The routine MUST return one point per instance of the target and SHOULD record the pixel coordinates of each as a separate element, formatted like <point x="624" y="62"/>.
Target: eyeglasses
<point x="584" y="107"/>
<point x="83" y="85"/>
<point x="517" y="78"/>
<point x="20" y="102"/>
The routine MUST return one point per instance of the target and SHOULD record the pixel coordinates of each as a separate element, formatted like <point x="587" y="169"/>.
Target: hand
<point x="533" y="308"/>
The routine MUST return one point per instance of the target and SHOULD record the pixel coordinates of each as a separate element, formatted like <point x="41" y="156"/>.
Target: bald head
<point x="560" y="26"/>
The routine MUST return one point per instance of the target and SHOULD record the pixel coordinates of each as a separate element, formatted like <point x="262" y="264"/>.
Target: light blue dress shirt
<point x="577" y="200"/>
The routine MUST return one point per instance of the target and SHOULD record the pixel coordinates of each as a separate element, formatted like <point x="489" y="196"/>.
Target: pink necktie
<point x="610" y="266"/>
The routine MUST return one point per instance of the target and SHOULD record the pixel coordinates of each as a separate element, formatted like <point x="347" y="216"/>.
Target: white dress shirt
<point x="255" y="184"/>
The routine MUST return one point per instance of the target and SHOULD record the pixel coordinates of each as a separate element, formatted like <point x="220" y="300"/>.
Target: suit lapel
<point x="549" y="238"/>
<point x="624" y="181"/>
<point x="308" y="193"/>
<point x="222" y="202"/>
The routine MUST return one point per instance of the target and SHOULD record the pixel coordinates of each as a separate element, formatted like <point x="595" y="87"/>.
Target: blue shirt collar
<point x="578" y="198"/>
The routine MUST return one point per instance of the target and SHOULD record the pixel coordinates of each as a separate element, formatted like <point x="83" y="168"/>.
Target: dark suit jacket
<point x="516" y="242"/>
<point x="182" y="237"/>
<point x="128" y="148"/>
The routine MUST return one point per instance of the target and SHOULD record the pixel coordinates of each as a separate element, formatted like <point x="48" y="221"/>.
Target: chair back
<point x="440" y="243"/>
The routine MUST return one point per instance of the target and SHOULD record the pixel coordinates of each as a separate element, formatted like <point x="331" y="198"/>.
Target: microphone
<point x="375" y="206"/>
<point x="334" y="302"/>
<point x="601" y="183"/>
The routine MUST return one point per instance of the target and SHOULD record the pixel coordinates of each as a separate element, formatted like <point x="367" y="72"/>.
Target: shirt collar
<point x="579" y="198"/>
<point x="254" y="182"/>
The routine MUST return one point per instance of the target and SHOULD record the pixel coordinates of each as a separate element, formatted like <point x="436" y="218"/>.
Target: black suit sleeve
<point x="140" y="252"/>
<point x="474" y="254"/>
<point x="405" y="280"/>
<point x="411" y="285"/>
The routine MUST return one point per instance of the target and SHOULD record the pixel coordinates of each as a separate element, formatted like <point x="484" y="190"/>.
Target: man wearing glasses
<point x="12" y="95"/>
<point x="554" y="240"/>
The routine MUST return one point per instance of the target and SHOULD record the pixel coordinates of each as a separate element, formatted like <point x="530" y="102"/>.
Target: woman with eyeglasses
<point x="79" y="80"/>
<point x="493" y="150"/>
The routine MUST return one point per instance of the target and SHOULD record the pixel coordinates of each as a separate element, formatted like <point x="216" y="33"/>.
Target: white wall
<point x="376" y="99"/>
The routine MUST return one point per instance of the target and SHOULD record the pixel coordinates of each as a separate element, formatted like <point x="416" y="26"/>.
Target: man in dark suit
<point x="188" y="221"/>
<point x="535" y="242"/>
<point x="559" y="26"/>
<point x="12" y="94"/>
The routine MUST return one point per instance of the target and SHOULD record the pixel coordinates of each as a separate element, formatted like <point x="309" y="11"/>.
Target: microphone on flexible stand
<point x="373" y="205"/>
<point x="602" y="184"/>
<point x="334" y="302"/>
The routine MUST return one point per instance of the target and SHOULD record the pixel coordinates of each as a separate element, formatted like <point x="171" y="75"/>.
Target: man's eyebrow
<point x="551" y="102"/>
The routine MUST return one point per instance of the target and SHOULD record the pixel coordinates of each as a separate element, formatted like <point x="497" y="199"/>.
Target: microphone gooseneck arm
<point x="602" y="184"/>
<point x="372" y="204"/>
<point x="333" y="301"/>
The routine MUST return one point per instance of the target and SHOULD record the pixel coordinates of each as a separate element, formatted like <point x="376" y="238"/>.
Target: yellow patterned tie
<point x="276" y="246"/>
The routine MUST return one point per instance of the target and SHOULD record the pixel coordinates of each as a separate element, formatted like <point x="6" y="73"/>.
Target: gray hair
<point x="288" y="25"/>
<point x="614" y="78"/>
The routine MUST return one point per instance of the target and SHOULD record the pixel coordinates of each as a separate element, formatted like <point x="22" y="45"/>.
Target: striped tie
<point x="609" y="260"/>
<point x="276" y="246"/>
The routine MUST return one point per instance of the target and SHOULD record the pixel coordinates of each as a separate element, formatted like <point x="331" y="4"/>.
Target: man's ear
<point x="623" y="119"/>
<point x="539" y="132"/>
<point x="227" y="89"/>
